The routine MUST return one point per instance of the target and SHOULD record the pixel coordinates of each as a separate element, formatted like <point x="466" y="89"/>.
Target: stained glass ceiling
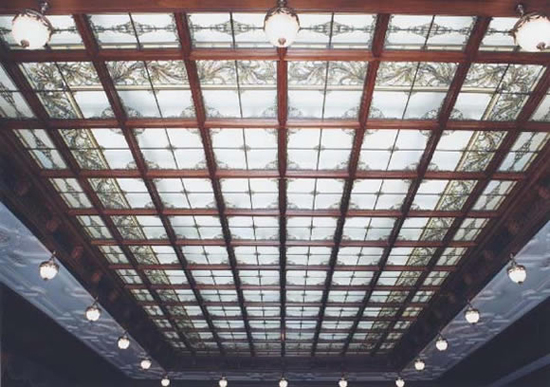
<point x="302" y="202"/>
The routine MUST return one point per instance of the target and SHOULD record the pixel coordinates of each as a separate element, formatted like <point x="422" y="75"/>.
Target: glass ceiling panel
<point x="319" y="149"/>
<point x="38" y="143"/>
<point x="134" y="30"/>
<point x="257" y="255"/>
<point x="153" y="88"/>
<point x="68" y="89"/>
<point x="171" y="148"/>
<point x="411" y="90"/>
<point x="196" y="227"/>
<point x="498" y="37"/>
<point x="12" y="103"/>
<point x="122" y="193"/>
<point x="378" y="194"/>
<point x="409" y="256"/>
<point x="496" y="91"/>
<point x="154" y="255"/>
<point x="254" y="227"/>
<point x="494" y="194"/>
<point x="245" y="148"/>
<point x="99" y="149"/>
<point x="71" y="192"/>
<point x="64" y="37"/>
<point x="325" y="89"/>
<point x="524" y="151"/>
<point x="139" y="227"/>
<point x="543" y="111"/>
<point x="465" y="150"/>
<point x="314" y="194"/>
<point x="470" y="229"/>
<point x="94" y="227"/>
<point x="408" y="32"/>
<point x="310" y="228"/>
<point x="360" y="256"/>
<point x="367" y="229"/>
<point x="186" y="193"/>
<point x="425" y="229"/>
<point x="443" y="195"/>
<point x="250" y="193"/>
<point x="241" y="89"/>
<point x="308" y="255"/>
<point x="451" y="256"/>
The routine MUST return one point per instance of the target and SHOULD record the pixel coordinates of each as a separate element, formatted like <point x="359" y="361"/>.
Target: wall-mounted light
<point x="49" y="269"/>
<point x="93" y="312"/>
<point x="441" y="344"/>
<point x="123" y="341"/>
<point x="145" y="363"/>
<point x="419" y="365"/>
<point x="517" y="273"/>
<point x="472" y="314"/>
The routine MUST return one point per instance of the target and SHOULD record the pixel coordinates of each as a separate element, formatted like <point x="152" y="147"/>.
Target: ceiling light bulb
<point x="123" y="341"/>
<point x="343" y="382"/>
<point x="49" y="269"/>
<point x="532" y="31"/>
<point x="31" y="29"/>
<point x="223" y="382"/>
<point x="283" y="382"/>
<point x="517" y="273"/>
<point x="472" y="315"/>
<point x="93" y="312"/>
<point x="281" y="25"/>
<point x="441" y="344"/>
<point x="165" y="382"/>
<point x="145" y="363"/>
<point x="399" y="382"/>
<point x="419" y="365"/>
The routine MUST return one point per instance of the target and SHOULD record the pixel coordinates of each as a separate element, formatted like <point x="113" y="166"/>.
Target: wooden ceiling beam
<point x="501" y="8"/>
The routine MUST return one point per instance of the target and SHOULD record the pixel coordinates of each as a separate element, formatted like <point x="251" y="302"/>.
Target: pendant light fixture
<point x="399" y="382"/>
<point x="343" y="382"/>
<point x="472" y="314"/>
<point x="419" y="365"/>
<point x="31" y="29"/>
<point x="281" y="25"/>
<point x="145" y="363"/>
<point x="441" y="344"/>
<point x="93" y="312"/>
<point x="517" y="273"/>
<point x="49" y="269"/>
<point x="223" y="382"/>
<point x="283" y="382"/>
<point x="123" y="341"/>
<point x="532" y="30"/>
<point x="165" y="382"/>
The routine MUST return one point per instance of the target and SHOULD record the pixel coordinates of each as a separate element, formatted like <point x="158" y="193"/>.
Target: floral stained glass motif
<point x="153" y="88"/>
<point x="250" y="193"/>
<point x="186" y="193"/>
<point x="65" y="36"/>
<point x="377" y="194"/>
<point x="325" y="89"/>
<point x="98" y="149"/>
<point x="68" y="90"/>
<point x="496" y="92"/>
<point x="241" y="89"/>
<point x="38" y="143"/>
<point x="12" y="103"/>
<point x="71" y="192"/>
<point x="135" y="30"/>
<point x="425" y="229"/>
<point x="319" y="149"/>
<point x="408" y="32"/>
<point x="245" y="30"/>
<point x="494" y="194"/>
<point x="410" y="90"/>
<point x="122" y="193"/>
<point x="443" y="195"/>
<point x="466" y="150"/>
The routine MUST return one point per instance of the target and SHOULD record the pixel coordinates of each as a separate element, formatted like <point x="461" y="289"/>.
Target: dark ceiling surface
<point x="224" y="199"/>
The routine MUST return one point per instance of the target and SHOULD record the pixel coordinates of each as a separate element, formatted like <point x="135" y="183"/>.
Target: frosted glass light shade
<point x="93" y="312"/>
<point x="31" y="29"/>
<point x="517" y="273"/>
<point x="472" y="315"/>
<point x="145" y="364"/>
<point x="281" y="25"/>
<point x="532" y="32"/>
<point x="441" y="344"/>
<point x="48" y="269"/>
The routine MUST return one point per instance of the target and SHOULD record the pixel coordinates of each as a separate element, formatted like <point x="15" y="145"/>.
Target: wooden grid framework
<point x="282" y="123"/>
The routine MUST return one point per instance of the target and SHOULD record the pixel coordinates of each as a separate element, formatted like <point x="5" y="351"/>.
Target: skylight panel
<point x="319" y="149"/>
<point x="498" y="37"/>
<point x="242" y="89"/>
<point x="411" y="90"/>
<point x="425" y="229"/>
<point x="408" y="256"/>
<point x="410" y="32"/>
<point x="524" y="151"/>
<point x="466" y="150"/>
<point x="98" y="149"/>
<point x="359" y="256"/>
<point x="113" y="254"/>
<point x="122" y="193"/>
<point x="325" y="89"/>
<point x="12" y="103"/>
<point x="443" y="195"/>
<point x="470" y="229"/>
<point x="307" y="256"/>
<point x="139" y="227"/>
<point x="494" y="194"/>
<point x="177" y="148"/>
<point x="196" y="227"/>
<point x="65" y="34"/>
<point x="153" y="88"/>
<point x="68" y="90"/>
<point x="154" y="255"/>
<point x="314" y="194"/>
<point x="38" y="143"/>
<point x="94" y="226"/>
<point x="257" y="255"/>
<point x="451" y="256"/>
<point x="245" y="148"/>
<point x="496" y="91"/>
<point x="311" y="228"/>
<point x="371" y="194"/>
<point x="543" y="111"/>
<point x="71" y="192"/>
<point x="361" y="228"/>
<point x="250" y="193"/>
<point x="205" y="255"/>
<point x="254" y="227"/>
<point x="134" y="30"/>
<point x="186" y="193"/>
